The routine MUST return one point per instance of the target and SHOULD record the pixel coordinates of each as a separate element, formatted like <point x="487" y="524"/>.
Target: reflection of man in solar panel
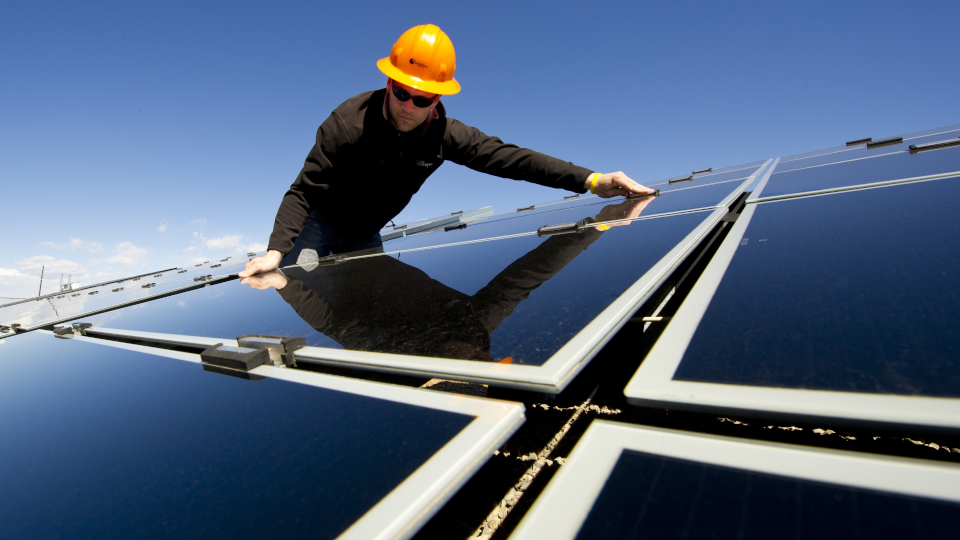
<point x="377" y="148"/>
<point x="381" y="304"/>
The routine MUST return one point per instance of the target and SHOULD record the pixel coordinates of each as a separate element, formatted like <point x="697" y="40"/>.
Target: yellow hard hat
<point x="423" y="58"/>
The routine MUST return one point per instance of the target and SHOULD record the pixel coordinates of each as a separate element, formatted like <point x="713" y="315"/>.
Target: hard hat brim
<point x="446" y="88"/>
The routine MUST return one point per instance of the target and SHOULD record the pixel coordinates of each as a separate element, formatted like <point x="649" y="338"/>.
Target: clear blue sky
<point x="138" y="137"/>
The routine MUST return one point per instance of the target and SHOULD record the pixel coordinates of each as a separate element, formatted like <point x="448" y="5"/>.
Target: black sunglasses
<point x="418" y="101"/>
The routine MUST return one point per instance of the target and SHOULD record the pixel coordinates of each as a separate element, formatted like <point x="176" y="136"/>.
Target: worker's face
<point x="404" y="114"/>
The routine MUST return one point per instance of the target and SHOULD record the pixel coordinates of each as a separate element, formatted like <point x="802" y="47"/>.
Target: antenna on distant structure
<point x="41" y="280"/>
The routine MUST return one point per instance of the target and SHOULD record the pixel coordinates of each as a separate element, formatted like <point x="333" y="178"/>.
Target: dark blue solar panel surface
<point x="854" y="291"/>
<point x="100" y="442"/>
<point x="521" y="298"/>
<point x="860" y="151"/>
<point x="649" y="496"/>
<point x="891" y="163"/>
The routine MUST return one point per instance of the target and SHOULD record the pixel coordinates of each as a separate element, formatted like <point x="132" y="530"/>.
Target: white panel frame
<point x="414" y="501"/>
<point x="560" y="511"/>
<point x="653" y="385"/>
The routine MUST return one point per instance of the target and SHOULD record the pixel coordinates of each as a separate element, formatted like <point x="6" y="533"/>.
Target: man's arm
<point x="312" y="183"/>
<point x="468" y="146"/>
<point x="513" y="285"/>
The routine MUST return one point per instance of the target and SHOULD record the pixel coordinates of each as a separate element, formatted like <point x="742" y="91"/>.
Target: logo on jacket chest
<point x="421" y="163"/>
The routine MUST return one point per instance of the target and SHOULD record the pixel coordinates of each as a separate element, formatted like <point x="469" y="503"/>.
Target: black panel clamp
<point x="281" y="348"/>
<point x="252" y="352"/>
<point x="233" y="361"/>
<point x="563" y="228"/>
<point x="67" y="332"/>
<point x="917" y="148"/>
<point x="885" y="142"/>
<point x="635" y="196"/>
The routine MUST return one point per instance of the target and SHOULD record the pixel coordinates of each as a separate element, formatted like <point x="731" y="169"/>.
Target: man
<point x="377" y="148"/>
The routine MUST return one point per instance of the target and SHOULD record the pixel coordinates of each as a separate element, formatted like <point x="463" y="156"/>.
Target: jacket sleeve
<point x="513" y="285"/>
<point x="311" y="184"/>
<point x="472" y="148"/>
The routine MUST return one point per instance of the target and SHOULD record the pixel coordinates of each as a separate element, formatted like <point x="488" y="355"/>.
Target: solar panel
<point x="114" y="442"/>
<point x="841" y="305"/>
<point x="536" y="307"/>
<point x="848" y="153"/>
<point x="861" y="166"/>
<point x="65" y="305"/>
<point x="704" y="191"/>
<point x="860" y="142"/>
<point x="708" y="176"/>
<point x="629" y="482"/>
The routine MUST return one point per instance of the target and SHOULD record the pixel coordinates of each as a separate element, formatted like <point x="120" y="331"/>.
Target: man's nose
<point x="407" y="105"/>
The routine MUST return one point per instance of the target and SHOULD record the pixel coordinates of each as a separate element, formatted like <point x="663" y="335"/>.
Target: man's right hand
<point x="626" y="210"/>
<point x="267" y="263"/>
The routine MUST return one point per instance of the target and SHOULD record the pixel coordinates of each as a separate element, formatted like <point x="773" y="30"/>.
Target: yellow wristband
<point x="601" y="226"/>
<point x="593" y="183"/>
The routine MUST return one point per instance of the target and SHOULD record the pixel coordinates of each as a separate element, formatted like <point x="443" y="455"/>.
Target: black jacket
<point x="362" y="172"/>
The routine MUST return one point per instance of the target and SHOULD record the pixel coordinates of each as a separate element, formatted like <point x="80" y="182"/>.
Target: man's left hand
<point x="617" y="183"/>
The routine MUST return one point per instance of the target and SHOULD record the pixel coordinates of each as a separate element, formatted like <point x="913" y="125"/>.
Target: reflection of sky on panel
<point x="908" y="139"/>
<point x="726" y="174"/>
<point x="112" y="443"/>
<point x="650" y="496"/>
<point x="891" y="163"/>
<point x="861" y="151"/>
<point x="675" y="198"/>
<point x="707" y="178"/>
<point x="854" y="291"/>
<point x="76" y="302"/>
<point x="521" y="297"/>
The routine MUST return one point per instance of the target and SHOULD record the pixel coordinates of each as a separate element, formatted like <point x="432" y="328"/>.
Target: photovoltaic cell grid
<point x="628" y="482"/>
